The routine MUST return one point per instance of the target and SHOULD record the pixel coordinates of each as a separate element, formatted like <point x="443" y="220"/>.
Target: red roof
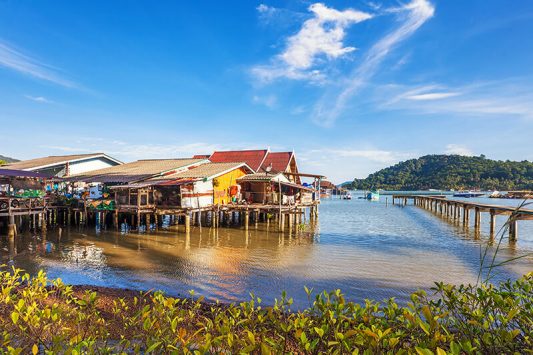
<point x="279" y="160"/>
<point x="253" y="158"/>
<point x="201" y="156"/>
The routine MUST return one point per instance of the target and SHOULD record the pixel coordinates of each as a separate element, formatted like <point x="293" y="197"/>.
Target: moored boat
<point x="468" y="194"/>
<point x="372" y="195"/>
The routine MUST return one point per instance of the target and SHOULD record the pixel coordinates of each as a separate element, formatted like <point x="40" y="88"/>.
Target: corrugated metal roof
<point x="136" y="171"/>
<point x="208" y="170"/>
<point x="280" y="161"/>
<point x="253" y="158"/>
<point x="260" y="177"/>
<point x="201" y="156"/>
<point x="52" y="160"/>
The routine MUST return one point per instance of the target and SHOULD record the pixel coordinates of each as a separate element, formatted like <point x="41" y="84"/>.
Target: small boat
<point x="372" y="196"/>
<point x="347" y="197"/>
<point x="496" y="194"/>
<point x="468" y="194"/>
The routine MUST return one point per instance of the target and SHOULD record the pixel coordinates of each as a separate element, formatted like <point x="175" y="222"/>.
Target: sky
<point x="350" y="86"/>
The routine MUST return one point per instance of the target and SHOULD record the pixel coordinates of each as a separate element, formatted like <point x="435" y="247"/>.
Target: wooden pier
<point x="462" y="210"/>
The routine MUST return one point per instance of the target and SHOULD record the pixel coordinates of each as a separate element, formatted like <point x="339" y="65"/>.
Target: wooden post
<point x="115" y="220"/>
<point x="156" y="221"/>
<point x="513" y="230"/>
<point x="138" y="220"/>
<point x="11" y="228"/>
<point x="246" y="219"/>
<point x="148" y="222"/>
<point x="477" y="219"/>
<point x="282" y="222"/>
<point x="492" y="223"/>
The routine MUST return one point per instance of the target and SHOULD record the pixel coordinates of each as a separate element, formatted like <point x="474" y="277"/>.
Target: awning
<point x="158" y="182"/>
<point x="22" y="173"/>
<point x="301" y="187"/>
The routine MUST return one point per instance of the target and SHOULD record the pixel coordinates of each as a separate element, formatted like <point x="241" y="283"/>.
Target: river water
<point x="366" y="249"/>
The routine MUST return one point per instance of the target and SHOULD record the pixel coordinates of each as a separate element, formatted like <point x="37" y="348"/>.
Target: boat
<point x="347" y="197"/>
<point x="468" y="194"/>
<point x="496" y="194"/>
<point x="372" y="195"/>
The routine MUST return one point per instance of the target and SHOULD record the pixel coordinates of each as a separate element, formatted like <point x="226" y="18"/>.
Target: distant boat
<point x="347" y="197"/>
<point x="372" y="195"/>
<point x="468" y="194"/>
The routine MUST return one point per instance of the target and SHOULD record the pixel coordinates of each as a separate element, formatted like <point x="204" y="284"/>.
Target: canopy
<point x="22" y="173"/>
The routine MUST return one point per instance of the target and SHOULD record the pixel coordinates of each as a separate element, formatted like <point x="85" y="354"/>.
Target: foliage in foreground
<point x="35" y="318"/>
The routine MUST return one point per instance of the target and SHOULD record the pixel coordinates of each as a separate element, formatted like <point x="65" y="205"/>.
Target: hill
<point x="4" y="160"/>
<point x="451" y="172"/>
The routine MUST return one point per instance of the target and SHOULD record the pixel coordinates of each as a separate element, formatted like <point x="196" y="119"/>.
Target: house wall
<point x="89" y="165"/>
<point x="222" y="185"/>
<point x="197" y="195"/>
<point x="292" y="168"/>
<point x="77" y="167"/>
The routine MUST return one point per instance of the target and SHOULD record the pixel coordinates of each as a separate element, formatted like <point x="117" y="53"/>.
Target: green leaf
<point x="319" y="331"/>
<point x="424" y="326"/>
<point x="15" y="317"/>
<point x="423" y="351"/>
<point x="153" y="347"/>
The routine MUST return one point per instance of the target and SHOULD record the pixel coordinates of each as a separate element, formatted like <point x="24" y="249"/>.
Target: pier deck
<point x="458" y="209"/>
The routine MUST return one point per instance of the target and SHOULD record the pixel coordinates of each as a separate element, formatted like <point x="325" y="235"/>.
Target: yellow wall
<point x="221" y="191"/>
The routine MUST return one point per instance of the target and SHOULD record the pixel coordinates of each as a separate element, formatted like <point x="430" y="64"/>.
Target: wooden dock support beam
<point x="492" y="223"/>
<point x="513" y="230"/>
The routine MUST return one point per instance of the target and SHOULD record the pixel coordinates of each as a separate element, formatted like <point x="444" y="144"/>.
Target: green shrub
<point x="38" y="315"/>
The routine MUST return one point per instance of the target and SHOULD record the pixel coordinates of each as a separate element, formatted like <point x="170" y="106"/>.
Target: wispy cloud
<point x="319" y="37"/>
<point x="489" y="99"/>
<point x="14" y="59"/>
<point x="40" y="99"/>
<point x="269" y="101"/>
<point x="413" y="15"/>
<point x="458" y="149"/>
<point x="432" y="96"/>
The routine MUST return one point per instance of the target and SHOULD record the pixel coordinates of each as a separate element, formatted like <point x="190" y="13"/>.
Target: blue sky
<point x="351" y="86"/>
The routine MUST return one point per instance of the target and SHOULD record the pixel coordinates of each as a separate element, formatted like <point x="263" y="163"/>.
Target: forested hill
<point x="451" y="172"/>
<point x="4" y="160"/>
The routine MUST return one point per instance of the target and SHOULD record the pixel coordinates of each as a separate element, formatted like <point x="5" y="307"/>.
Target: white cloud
<point x="458" y="150"/>
<point x="24" y="64"/>
<point x="320" y="36"/>
<point x="332" y="104"/>
<point x="262" y="8"/>
<point x="432" y="96"/>
<point x="39" y="99"/>
<point x="269" y="101"/>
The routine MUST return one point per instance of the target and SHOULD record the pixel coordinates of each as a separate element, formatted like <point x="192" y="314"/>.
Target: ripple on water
<point x="367" y="249"/>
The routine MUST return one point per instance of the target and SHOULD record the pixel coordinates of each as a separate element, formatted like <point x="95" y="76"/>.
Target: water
<point x="367" y="249"/>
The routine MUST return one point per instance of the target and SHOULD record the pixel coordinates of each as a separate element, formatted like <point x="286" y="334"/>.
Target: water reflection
<point x="369" y="250"/>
